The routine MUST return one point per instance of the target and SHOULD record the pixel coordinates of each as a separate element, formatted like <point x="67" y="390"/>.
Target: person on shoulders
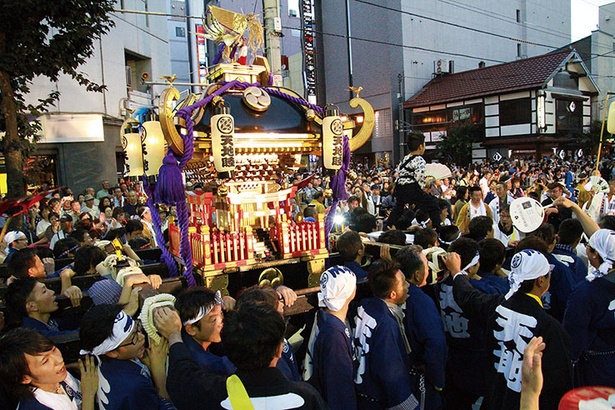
<point x="410" y="184"/>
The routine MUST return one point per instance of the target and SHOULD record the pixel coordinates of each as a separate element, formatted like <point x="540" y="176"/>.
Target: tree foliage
<point x="456" y="145"/>
<point x="41" y="38"/>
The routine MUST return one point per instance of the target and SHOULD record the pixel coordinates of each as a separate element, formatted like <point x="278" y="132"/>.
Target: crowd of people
<point x="467" y="311"/>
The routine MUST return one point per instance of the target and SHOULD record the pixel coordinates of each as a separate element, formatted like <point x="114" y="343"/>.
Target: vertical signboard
<point x="201" y="53"/>
<point x="307" y="16"/>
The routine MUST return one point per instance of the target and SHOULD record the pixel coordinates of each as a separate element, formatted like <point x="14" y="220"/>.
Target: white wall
<point x="130" y="34"/>
<point x="543" y="22"/>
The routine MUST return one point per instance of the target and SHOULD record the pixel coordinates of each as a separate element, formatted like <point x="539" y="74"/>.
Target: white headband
<point x="204" y="310"/>
<point x="473" y="262"/>
<point x="603" y="242"/>
<point x="526" y="265"/>
<point x="122" y="328"/>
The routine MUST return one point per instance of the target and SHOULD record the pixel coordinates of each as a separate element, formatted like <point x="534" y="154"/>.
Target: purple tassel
<point x="219" y="55"/>
<point x="338" y="186"/>
<point x="169" y="188"/>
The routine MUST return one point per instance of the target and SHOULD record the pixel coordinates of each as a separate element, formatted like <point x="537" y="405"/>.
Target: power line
<point x="506" y="19"/>
<point x="456" y="25"/>
<point x="386" y="43"/>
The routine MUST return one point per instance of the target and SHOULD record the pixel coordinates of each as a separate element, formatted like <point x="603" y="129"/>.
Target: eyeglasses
<point x="135" y="338"/>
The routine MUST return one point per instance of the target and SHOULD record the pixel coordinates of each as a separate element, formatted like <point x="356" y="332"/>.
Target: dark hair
<point x="474" y="188"/>
<point x="252" y="335"/>
<point x="393" y="236"/>
<point x="492" y="252"/>
<point x="504" y="208"/>
<point x="546" y="232"/>
<point x="310" y="211"/>
<point x="44" y="252"/>
<point x="97" y="324"/>
<point x="257" y="294"/>
<point x="14" y="345"/>
<point x="448" y="234"/>
<point x="117" y="211"/>
<point x="353" y="198"/>
<point x="527" y="285"/>
<point x="466" y="248"/>
<point x="141" y="209"/>
<point x="348" y="245"/>
<point x="318" y="194"/>
<point x="608" y="222"/>
<point x="21" y="261"/>
<point x="65" y="246"/>
<point x="409" y="259"/>
<point x="17" y="295"/>
<point x="461" y="192"/>
<point x="134" y="225"/>
<point x="570" y="231"/>
<point x="364" y="223"/>
<point x="442" y="204"/>
<point x="414" y="141"/>
<point x="421" y="215"/>
<point x="190" y="301"/>
<point x="426" y="238"/>
<point x="79" y="234"/>
<point x="532" y="242"/>
<point x="382" y="277"/>
<point x="86" y="257"/>
<point x="480" y="226"/>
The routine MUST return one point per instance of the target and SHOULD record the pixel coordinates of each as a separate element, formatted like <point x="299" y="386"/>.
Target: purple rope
<point x="166" y="256"/>
<point x="219" y="55"/>
<point x="338" y="186"/>
<point x="296" y="100"/>
<point x="184" y="245"/>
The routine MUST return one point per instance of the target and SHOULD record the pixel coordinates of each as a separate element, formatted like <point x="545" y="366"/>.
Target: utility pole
<point x="273" y="29"/>
<point x="401" y="125"/>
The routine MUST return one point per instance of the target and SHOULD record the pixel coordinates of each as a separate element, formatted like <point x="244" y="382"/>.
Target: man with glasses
<point x="555" y="214"/>
<point x="15" y="240"/>
<point x="130" y="376"/>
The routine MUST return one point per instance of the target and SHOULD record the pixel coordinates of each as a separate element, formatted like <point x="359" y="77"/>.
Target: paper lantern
<point x="332" y="138"/>
<point x="222" y="140"/>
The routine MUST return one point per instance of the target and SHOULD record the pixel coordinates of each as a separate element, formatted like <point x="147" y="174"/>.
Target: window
<point x="429" y="121"/>
<point x="382" y="124"/>
<point x="518" y="16"/>
<point x="569" y="116"/>
<point x="466" y="113"/>
<point x="180" y="32"/>
<point x="517" y="111"/>
<point x="293" y="8"/>
<point x="518" y="50"/>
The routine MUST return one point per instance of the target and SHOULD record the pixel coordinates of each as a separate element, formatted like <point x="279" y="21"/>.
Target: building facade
<point x="80" y="144"/>
<point x="525" y="108"/>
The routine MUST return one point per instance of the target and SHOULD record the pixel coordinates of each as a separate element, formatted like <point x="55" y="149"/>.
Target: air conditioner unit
<point x="128" y="76"/>
<point x="441" y="66"/>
